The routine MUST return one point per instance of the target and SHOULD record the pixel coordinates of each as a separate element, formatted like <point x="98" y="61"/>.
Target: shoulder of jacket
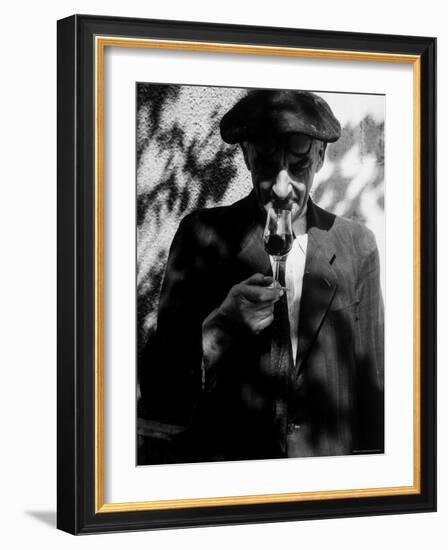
<point x="215" y="216"/>
<point x="362" y="238"/>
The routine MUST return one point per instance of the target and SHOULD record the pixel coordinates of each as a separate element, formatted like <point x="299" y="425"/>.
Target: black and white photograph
<point x="259" y="273"/>
<point x="223" y="237"/>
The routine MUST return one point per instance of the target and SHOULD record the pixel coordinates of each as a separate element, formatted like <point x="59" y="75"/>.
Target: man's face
<point x="283" y="169"/>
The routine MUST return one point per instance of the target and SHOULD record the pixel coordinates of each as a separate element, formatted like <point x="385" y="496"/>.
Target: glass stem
<point x="276" y="269"/>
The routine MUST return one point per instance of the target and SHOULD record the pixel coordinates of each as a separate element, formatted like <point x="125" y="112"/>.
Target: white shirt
<point x="295" y="269"/>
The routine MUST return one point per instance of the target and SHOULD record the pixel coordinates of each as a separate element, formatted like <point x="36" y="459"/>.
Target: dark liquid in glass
<point x="278" y="245"/>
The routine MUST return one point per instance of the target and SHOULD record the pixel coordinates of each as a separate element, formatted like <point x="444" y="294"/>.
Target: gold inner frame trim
<point x="101" y="42"/>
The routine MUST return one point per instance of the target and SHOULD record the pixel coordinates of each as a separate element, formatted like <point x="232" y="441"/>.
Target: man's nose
<point x="282" y="187"/>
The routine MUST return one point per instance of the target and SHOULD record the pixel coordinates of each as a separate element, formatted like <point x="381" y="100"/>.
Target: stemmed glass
<point x="278" y="237"/>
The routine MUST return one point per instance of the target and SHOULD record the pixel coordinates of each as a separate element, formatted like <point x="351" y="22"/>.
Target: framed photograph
<point x="246" y="274"/>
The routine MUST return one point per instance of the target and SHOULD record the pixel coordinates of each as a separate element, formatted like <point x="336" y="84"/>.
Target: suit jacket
<point x="335" y="388"/>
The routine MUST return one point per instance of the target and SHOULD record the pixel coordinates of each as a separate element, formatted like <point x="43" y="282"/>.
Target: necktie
<point x="281" y="362"/>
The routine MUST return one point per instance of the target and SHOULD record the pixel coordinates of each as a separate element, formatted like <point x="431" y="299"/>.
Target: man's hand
<point x="250" y="304"/>
<point x="248" y="307"/>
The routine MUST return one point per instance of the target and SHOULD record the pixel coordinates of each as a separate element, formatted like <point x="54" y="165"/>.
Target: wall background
<point x="28" y="274"/>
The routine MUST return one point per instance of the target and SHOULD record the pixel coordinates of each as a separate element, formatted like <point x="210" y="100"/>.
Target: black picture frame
<point x="77" y="476"/>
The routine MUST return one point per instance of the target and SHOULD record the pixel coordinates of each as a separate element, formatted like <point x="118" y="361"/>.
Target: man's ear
<point x="245" y="149"/>
<point x="321" y="155"/>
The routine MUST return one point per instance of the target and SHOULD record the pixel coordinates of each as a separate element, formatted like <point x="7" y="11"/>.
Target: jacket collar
<point x="319" y="224"/>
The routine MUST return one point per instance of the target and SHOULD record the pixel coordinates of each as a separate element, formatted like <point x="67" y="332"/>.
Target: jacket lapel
<point x="251" y="250"/>
<point x="253" y="254"/>
<point x="319" y="281"/>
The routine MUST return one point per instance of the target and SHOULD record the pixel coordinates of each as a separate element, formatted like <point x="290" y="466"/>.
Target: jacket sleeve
<point x="369" y="351"/>
<point x="170" y="368"/>
<point x="181" y="359"/>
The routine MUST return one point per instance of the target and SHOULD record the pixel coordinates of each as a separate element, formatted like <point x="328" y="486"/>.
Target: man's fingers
<point x="261" y="288"/>
<point x="259" y="279"/>
<point x="259" y="294"/>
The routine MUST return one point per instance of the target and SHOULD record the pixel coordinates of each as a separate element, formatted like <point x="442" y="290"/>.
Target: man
<point x="242" y="367"/>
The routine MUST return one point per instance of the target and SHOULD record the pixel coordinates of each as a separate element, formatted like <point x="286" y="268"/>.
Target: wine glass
<point x="278" y="237"/>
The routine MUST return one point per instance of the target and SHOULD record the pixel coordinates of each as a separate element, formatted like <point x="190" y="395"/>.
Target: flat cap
<point x="263" y="112"/>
